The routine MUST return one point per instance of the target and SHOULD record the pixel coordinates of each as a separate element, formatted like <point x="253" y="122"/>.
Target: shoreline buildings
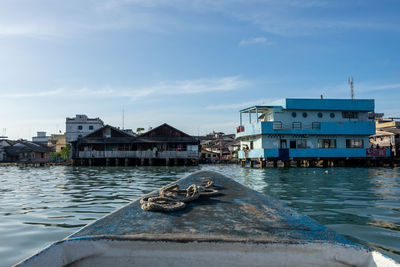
<point x="387" y="134"/>
<point x="308" y="129"/>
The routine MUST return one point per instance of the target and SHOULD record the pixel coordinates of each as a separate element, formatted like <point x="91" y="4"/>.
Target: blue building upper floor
<point x="309" y="116"/>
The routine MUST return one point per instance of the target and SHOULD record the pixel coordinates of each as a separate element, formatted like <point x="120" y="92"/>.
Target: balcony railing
<point x="277" y="125"/>
<point x="316" y="126"/>
<point x="297" y="125"/>
<point x="138" y="154"/>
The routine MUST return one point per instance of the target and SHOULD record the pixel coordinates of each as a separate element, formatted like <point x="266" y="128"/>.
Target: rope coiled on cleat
<point x="171" y="198"/>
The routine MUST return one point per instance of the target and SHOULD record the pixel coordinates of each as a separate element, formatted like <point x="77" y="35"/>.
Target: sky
<point x="192" y="64"/>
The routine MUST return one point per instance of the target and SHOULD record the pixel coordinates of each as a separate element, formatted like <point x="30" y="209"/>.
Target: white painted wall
<point x="273" y="141"/>
<point x="72" y="125"/>
<point x="257" y="143"/>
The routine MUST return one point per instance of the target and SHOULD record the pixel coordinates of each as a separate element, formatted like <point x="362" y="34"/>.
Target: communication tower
<point x="350" y="81"/>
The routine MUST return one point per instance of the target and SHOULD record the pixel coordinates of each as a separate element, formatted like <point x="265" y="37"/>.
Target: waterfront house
<point x="2" y="154"/>
<point x="163" y="145"/>
<point x="383" y="139"/>
<point x="217" y="147"/>
<point x="28" y="152"/>
<point x="3" y="144"/>
<point x="80" y="126"/>
<point x="387" y="134"/>
<point x="57" y="142"/>
<point x="307" y="129"/>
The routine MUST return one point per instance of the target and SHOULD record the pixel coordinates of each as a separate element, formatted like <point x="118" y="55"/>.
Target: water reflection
<point x="41" y="205"/>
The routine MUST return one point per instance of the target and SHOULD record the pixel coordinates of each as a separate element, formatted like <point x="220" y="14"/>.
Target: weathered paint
<point x="234" y="214"/>
<point x="238" y="220"/>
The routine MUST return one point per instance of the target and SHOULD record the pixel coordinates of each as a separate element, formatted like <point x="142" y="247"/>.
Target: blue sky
<point x="192" y="64"/>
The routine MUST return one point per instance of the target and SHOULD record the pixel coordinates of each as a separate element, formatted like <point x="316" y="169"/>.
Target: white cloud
<point x="186" y="87"/>
<point x="255" y="40"/>
<point x="49" y="93"/>
<point x="241" y="105"/>
<point x="367" y="87"/>
<point x="68" y="18"/>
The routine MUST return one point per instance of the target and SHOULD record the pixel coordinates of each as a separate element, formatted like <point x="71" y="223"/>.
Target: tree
<point x="65" y="152"/>
<point x="62" y="155"/>
<point x="139" y="130"/>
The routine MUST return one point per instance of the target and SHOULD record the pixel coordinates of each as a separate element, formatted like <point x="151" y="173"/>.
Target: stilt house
<point x="163" y="145"/>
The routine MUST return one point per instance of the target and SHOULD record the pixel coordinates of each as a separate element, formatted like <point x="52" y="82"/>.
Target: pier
<point x="136" y="158"/>
<point x="321" y="163"/>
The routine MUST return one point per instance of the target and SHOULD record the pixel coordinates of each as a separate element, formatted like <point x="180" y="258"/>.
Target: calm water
<point x="41" y="205"/>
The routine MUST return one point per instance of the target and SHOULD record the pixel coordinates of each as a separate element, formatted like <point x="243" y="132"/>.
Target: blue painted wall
<point x="331" y="104"/>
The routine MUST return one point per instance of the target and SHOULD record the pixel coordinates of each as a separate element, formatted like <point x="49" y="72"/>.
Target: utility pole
<point x="123" y="119"/>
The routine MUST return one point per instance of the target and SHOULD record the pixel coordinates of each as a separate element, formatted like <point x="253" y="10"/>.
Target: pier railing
<point x="138" y="154"/>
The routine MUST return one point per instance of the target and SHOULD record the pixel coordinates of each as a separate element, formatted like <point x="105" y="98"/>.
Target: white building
<point x="80" y="126"/>
<point x="41" y="138"/>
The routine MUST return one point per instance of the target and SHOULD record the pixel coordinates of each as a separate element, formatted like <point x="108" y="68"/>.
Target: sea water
<point x="41" y="205"/>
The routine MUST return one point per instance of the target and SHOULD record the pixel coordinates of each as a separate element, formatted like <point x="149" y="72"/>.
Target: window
<point x="80" y="127"/>
<point x="332" y="115"/>
<point x="296" y="125"/>
<point x="251" y="145"/>
<point x="294" y="114"/>
<point x="42" y="155"/>
<point x="277" y="125"/>
<point x="293" y="144"/>
<point x="305" y="114"/>
<point x="91" y="127"/>
<point x="354" y="143"/>
<point x="302" y="143"/>
<point x="350" y="114"/>
<point x="326" y="143"/>
<point x="316" y="125"/>
<point x="319" y="115"/>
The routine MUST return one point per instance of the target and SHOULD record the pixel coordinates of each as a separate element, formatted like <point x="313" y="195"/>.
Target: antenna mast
<point x="123" y="119"/>
<point x="350" y="81"/>
<point x="4" y="133"/>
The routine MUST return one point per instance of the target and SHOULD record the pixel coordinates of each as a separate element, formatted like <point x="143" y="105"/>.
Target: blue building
<point x="295" y="129"/>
